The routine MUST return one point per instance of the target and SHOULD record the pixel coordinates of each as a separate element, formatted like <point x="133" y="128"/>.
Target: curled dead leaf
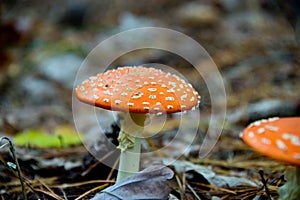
<point x="151" y="183"/>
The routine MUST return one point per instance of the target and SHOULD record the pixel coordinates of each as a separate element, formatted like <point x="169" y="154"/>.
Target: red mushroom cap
<point x="277" y="138"/>
<point x="138" y="90"/>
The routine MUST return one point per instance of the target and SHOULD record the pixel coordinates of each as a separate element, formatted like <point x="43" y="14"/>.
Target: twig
<point x="55" y="196"/>
<point x="68" y="185"/>
<point x="180" y="186"/>
<point x="113" y="169"/>
<point x="64" y="194"/>
<point x="215" y="187"/>
<point x="92" y="190"/>
<point x="183" y="181"/>
<point x="264" y="182"/>
<point x="47" y="187"/>
<point x="193" y="191"/>
<point x="96" y="163"/>
<point x="12" y="150"/>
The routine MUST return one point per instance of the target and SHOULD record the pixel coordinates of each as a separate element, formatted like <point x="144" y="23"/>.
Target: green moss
<point x="63" y="136"/>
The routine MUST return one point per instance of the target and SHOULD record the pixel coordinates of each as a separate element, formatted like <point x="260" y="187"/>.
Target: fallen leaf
<point x="151" y="183"/>
<point x="209" y="175"/>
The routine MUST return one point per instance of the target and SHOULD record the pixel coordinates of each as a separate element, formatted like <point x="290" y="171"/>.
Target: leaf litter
<point x="70" y="170"/>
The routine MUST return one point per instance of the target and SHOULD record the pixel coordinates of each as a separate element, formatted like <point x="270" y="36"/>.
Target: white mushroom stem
<point x="130" y="144"/>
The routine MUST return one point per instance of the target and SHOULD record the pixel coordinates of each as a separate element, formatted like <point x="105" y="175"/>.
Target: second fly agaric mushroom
<point x="278" y="138"/>
<point x="136" y="91"/>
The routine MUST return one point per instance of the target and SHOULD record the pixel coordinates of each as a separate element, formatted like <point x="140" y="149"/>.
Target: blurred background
<point x="253" y="43"/>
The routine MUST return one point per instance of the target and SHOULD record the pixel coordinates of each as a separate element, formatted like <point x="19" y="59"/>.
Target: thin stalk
<point x="130" y="144"/>
<point x="12" y="150"/>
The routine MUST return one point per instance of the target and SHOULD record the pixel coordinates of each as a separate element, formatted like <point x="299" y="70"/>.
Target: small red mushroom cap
<point x="138" y="90"/>
<point x="277" y="138"/>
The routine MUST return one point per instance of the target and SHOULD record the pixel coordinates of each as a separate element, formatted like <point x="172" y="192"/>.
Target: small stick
<point x="96" y="163"/>
<point x="183" y="181"/>
<point x="264" y="182"/>
<point x="193" y="191"/>
<point x="113" y="169"/>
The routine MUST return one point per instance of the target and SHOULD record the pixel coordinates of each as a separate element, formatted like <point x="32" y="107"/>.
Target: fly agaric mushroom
<point x="136" y="91"/>
<point x="278" y="138"/>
